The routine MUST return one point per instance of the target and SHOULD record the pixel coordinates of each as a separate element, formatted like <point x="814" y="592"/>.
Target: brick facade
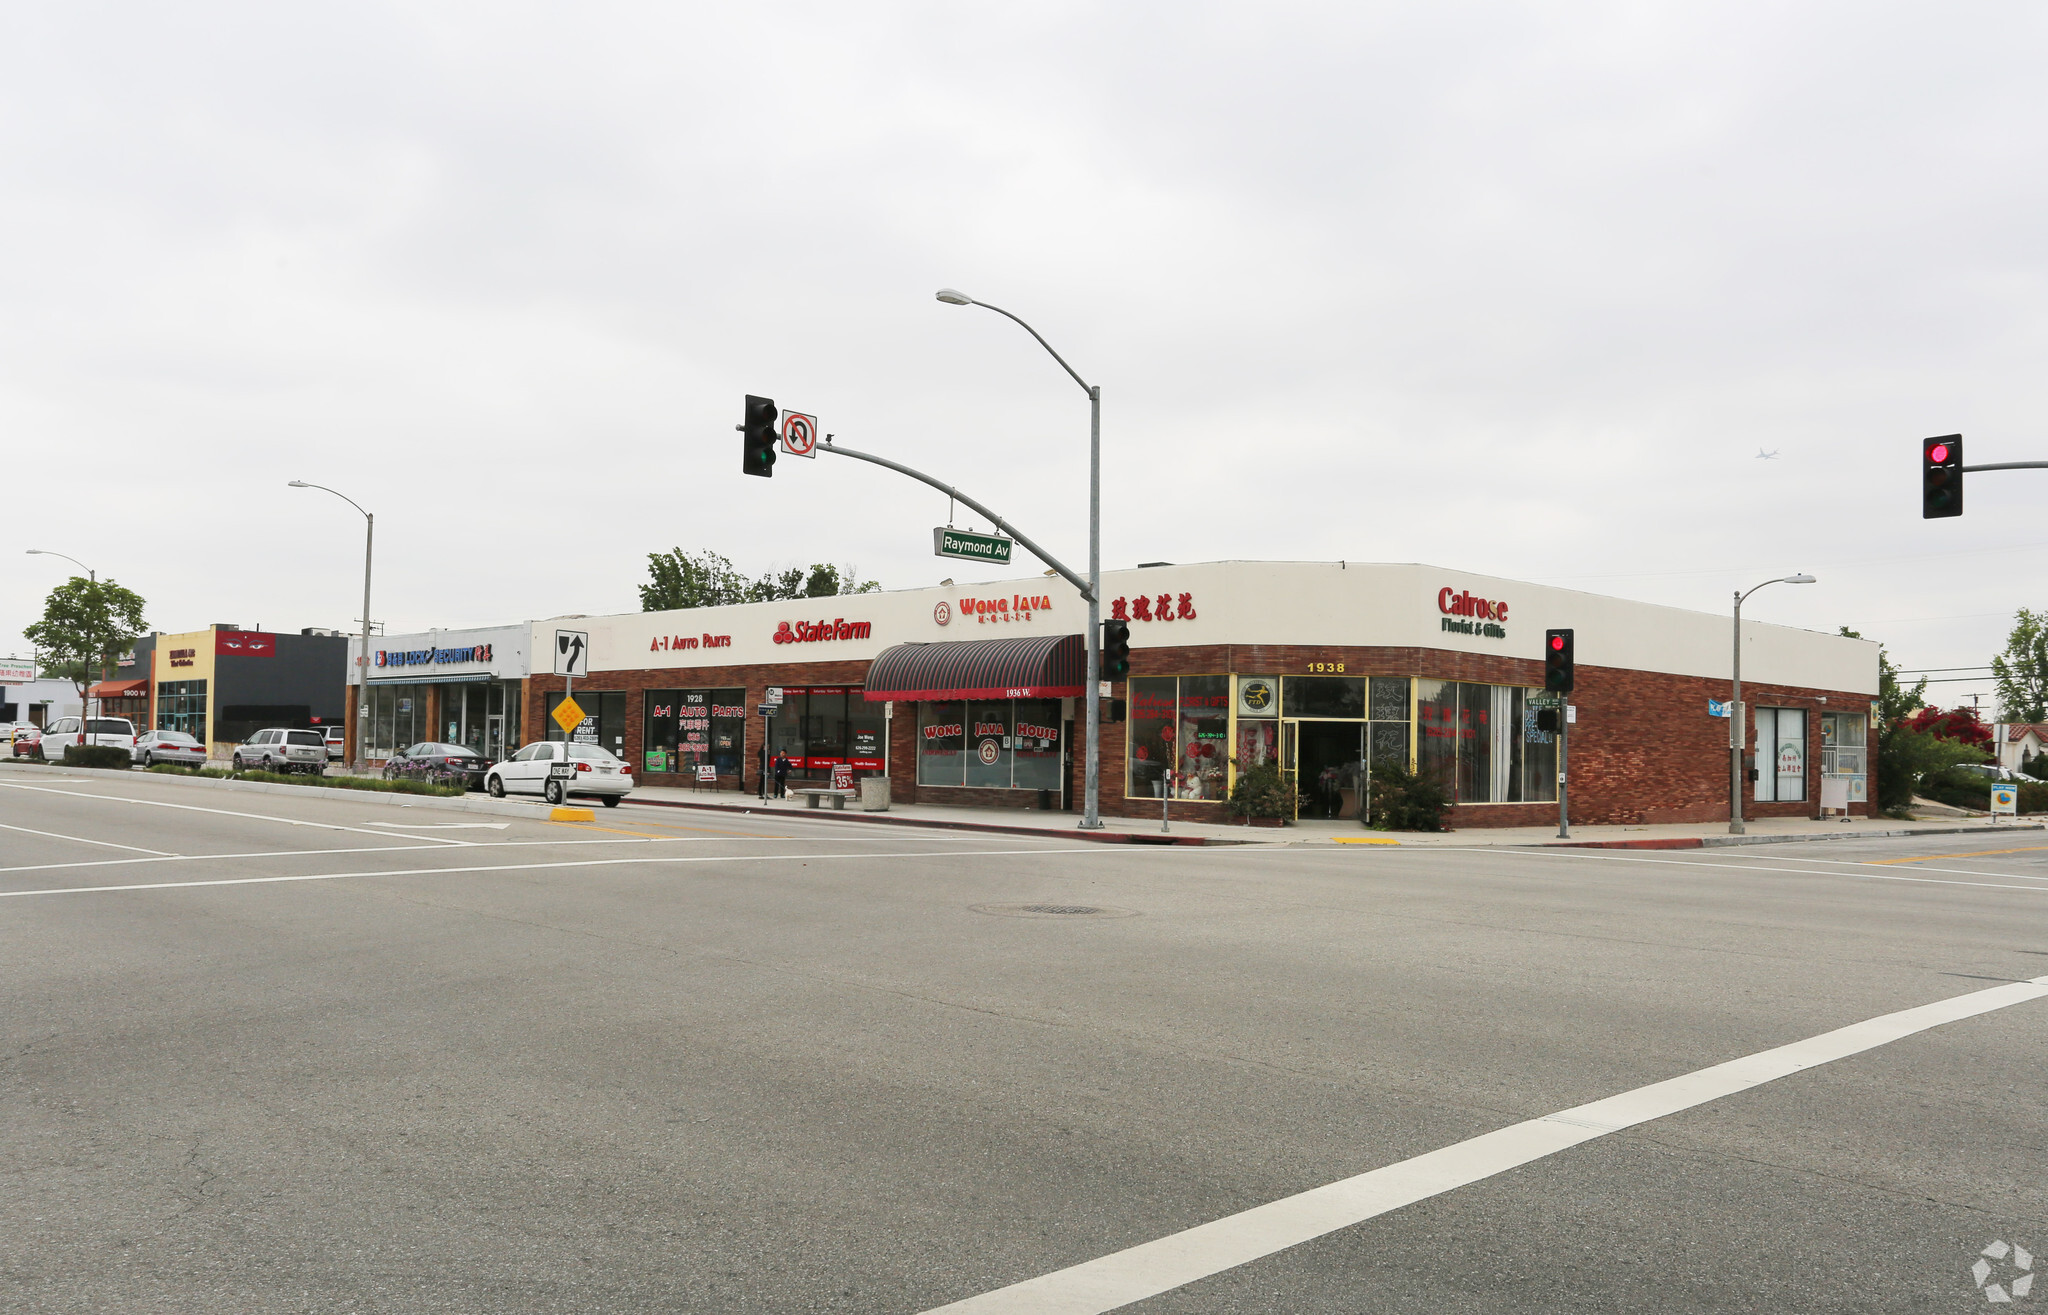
<point x="1643" y="749"/>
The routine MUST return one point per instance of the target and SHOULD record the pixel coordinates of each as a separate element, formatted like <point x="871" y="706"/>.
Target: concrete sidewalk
<point x="1127" y="830"/>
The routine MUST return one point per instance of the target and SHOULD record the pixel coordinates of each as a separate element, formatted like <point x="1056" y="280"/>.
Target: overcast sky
<point x="1513" y="289"/>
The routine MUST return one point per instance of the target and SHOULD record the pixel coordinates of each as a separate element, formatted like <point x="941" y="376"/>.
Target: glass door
<point x="1290" y="740"/>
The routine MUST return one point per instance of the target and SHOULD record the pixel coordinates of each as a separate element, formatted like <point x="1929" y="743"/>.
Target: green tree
<point x="2022" y="670"/>
<point x="86" y="623"/>
<point x="1906" y="756"/>
<point x="677" y="579"/>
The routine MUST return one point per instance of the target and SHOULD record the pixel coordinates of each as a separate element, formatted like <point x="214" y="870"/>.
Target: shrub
<point x="330" y="782"/>
<point x="1262" y="790"/>
<point x="1401" y="800"/>
<point x="97" y="755"/>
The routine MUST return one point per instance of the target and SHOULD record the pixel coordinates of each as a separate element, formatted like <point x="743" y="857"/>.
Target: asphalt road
<point x="266" y="1053"/>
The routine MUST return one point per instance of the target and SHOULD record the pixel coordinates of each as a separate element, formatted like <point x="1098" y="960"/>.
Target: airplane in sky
<point x="1762" y="455"/>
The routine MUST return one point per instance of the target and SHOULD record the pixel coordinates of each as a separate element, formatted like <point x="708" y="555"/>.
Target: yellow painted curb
<point x="572" y="815"/>
<point x="1363" y="840"/>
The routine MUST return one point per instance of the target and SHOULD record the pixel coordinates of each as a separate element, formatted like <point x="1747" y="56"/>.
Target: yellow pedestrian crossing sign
<point x="568" y="715"/>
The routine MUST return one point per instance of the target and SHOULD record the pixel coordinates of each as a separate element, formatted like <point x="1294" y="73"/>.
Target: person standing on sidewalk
<point x="781" y="775"/>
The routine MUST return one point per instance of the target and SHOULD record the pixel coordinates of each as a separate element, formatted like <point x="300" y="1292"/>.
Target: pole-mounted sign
<point x="800" y="434"/>
<point x="949" y="542"/>
<point x="572" y="652"/>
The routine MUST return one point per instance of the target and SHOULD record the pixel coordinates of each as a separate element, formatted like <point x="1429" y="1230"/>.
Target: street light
<point x="84" y="704"/>
<point x="90" y="574"/>
<point x="1738" y="724"/>
<point x="1091" y="790"/>
<point x="362" y="761"/>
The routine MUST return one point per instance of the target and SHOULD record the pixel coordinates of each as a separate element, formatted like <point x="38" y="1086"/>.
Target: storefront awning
<point x="1036" y="667"/>
<point x="119" y="689"/>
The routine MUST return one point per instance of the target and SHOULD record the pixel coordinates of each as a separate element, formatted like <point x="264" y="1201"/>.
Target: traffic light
<point x="757" y="454"/>
<point x="1116" y="650"/>
<point x="1941" y="477"/>
<point x="1557" y="661"/>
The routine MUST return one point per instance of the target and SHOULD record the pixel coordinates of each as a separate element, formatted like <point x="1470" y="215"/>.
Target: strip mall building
<point x="970" y="695"/>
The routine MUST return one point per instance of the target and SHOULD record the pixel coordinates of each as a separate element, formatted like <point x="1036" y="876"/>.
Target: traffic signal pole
<point x="1090" y="588"/>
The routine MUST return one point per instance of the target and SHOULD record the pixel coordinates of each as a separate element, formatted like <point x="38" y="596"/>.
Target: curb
<point x="947" y="824"/>
<point x="1716" y="842"/>
<point x="466" y="804"/>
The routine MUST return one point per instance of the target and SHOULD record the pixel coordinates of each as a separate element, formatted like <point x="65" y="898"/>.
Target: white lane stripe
<point x="228" y="812"/>
<point x="1181" y="1258"/>
<point x="1797" y="872"/>
<point x="564" y="843"/>
<point x="160" y="853"/>
<point x="541" y="867"/>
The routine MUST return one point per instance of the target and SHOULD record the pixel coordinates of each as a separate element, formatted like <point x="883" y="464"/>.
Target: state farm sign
<point x="813" y="632"/>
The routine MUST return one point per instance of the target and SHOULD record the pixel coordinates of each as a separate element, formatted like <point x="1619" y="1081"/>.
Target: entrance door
<point x="1329" y="767"/>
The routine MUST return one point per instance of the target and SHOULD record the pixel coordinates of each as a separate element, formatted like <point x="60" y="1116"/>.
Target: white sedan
<point x="538" y="769"/>
<point x="169" y="747"/>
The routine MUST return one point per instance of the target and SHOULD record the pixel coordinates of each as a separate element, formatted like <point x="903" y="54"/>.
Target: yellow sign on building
<point x="568" y="715"/>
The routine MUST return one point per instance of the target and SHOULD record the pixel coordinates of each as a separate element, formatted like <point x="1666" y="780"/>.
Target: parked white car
<point x="594" y="773"/>
<point x="282" y="750"/>
<point x="173" y="747"/>
<point x="337" y="741"/>
<point x="61" y="734"/>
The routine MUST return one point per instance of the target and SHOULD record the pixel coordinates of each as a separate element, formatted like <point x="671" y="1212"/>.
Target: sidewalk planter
<point x="874" y="794"/>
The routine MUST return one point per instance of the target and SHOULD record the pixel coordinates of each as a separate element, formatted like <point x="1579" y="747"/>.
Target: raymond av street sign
<point x="970" y="547"/>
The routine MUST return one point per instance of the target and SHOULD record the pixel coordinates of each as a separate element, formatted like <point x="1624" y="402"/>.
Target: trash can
<point x="1045" y="801"/>
<point x="874" y="794"/>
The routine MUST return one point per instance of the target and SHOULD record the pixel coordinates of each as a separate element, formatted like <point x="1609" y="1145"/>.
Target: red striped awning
<point x="1036" y="667"/>
<point x="119" y="689"/>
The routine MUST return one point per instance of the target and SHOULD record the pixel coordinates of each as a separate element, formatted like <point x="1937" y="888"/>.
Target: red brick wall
<point x="1642" y="751"/>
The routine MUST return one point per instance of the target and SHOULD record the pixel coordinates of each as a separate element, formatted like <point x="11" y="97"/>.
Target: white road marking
<point x="84" y="841"/>
<point x="446" y="826"/>
<point x="1178" y="1259"/>
<point x="223" y="812"/>
<point x="1790" y="872"/>
<point x="436" y="846"/>
<point x="542" y="867"/>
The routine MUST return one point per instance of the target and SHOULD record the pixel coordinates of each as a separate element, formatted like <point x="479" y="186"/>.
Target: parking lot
<point x="270" y="1052"/>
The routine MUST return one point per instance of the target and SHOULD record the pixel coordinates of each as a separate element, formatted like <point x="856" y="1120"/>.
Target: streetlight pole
<point x="362" y="761"/>
<point x="1738" y="719"/>
<point x="84" y="703"/>
<point x="1091" y="819"/>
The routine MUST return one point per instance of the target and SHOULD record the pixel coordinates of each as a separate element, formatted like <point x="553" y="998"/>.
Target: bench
<point x="838" y="797"/>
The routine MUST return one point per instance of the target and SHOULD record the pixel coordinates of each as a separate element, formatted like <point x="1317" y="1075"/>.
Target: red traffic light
<point x="1556" y="642"/>
<point x="1939" y="452"/>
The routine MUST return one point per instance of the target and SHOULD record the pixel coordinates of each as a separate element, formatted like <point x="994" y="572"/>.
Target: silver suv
<point x="283" y="750"/>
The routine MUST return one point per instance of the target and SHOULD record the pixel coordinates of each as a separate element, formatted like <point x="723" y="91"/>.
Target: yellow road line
<point x="1977" y="853"/>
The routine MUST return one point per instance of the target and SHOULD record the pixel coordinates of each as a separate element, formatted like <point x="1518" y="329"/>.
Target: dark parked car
<point x="440" y="764"/>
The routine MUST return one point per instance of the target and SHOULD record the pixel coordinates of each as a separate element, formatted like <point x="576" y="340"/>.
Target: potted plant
<point x="1402" y="800"/>
<point x="1263" y="796"/>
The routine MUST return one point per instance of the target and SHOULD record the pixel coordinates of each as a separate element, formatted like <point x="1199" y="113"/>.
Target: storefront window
<point x="1203" y="738"/>
<point x="1036" y="729"/>
<point x="988" y="744"/>
<point x="398" y="718"/>
<point x="1341" y="697"/>
<point x="604" y="719"/>
<point x="999" y="744"/>
<point x="1482" y="742"/>
<point x="1258" y="727"/>
<point x="867" y="734"/>
<point x="1149" y="731"/>
<point x="181" y="706"/>
<point x="1436" y="730"/>
<point x="1845" y="746"/>
<point x="1780" y="755"/>
<point x="689" y="728"/>
<point x="941" y="743"/>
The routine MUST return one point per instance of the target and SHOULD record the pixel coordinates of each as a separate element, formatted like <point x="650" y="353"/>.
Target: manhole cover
<point x="1054" y="910"/>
